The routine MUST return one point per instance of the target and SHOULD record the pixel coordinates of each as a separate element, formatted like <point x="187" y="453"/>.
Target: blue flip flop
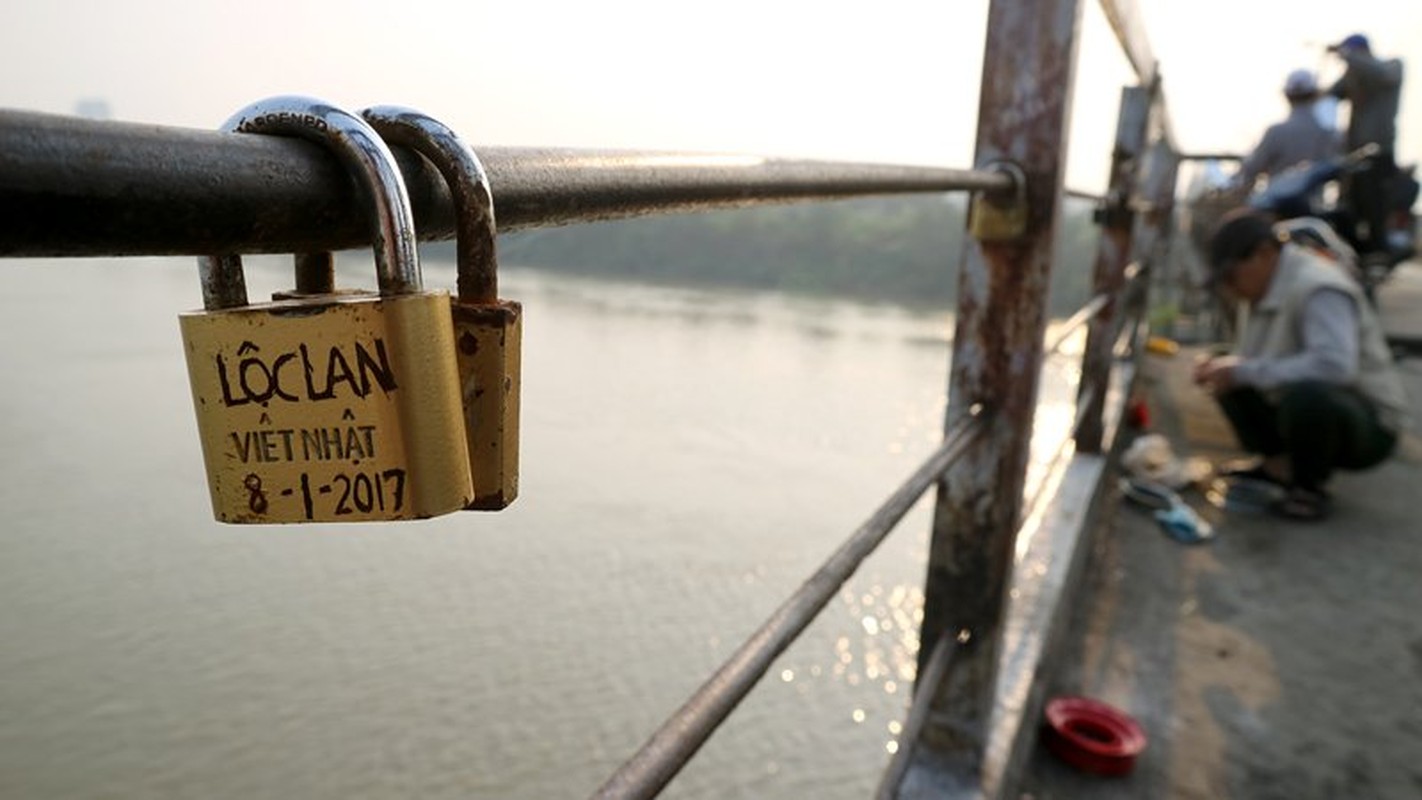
<point x="1176" y="517"/>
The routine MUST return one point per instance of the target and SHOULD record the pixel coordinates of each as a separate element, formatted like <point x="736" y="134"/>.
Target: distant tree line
<point x="903" y="250"/>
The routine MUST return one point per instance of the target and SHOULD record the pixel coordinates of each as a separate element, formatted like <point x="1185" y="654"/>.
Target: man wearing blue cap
<point x="1372" y="88"/>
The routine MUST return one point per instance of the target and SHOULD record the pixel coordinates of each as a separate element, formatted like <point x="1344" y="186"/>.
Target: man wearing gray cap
<point x="1372" y="87"/>
<point x="1311" y="387"/>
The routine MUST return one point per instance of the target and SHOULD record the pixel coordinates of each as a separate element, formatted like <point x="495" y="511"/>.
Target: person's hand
<point x="1216" y="374"/>
<point x="1201" y="362"/>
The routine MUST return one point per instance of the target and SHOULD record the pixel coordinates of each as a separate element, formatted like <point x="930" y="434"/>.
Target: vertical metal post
<point x="1156" y="177"/>
<point x="1028" y="68"/>
<point x="1158" y="184"/>
<point x="1113" y="253"/>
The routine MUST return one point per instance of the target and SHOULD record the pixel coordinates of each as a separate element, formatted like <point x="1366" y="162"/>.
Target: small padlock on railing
<point x="330" y="408"/>
<point x="1001" y="215"/>
<point x="488" y="332"/>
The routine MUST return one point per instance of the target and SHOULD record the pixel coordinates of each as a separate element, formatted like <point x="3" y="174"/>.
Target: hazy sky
<point x="809" y="78"/>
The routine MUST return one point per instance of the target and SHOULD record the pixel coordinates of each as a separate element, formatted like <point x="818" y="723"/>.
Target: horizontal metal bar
<point x="1210" y="157"/>
<point x="80" y="187"/>
<point x="1124" y="17"/>
<point x="1077" y="320"/>
<point x="1080" y="194"/>
<point x="1094" y="306"/>
<point x="917" y="716"/>
<point x="673" y="745"/>
<point x="1084" y="400"/>
<point x="1087" y="312"/>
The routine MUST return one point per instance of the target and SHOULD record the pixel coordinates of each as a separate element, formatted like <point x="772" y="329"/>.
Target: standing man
<point x="1311" y="387"/>
<point x="1372" y="88"/>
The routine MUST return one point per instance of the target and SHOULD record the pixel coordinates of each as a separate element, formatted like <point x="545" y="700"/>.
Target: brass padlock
<point x="488" y="332"/>
<point x="999" y="216"/>
<point x="330" y="408"/>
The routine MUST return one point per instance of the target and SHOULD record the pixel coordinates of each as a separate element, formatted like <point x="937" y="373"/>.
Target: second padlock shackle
<point x="375" y="173"/>
<point x="468" y="187"/>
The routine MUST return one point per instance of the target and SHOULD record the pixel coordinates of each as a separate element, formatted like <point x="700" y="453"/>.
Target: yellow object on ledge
<point x="1162" y="346"/>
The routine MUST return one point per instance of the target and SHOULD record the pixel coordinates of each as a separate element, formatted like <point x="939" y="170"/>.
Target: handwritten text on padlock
<point x="292" y="376"/>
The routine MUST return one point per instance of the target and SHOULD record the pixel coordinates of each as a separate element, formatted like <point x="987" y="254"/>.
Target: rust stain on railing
<point x="1112" y="254"/>
<point x="1028" y="70"/>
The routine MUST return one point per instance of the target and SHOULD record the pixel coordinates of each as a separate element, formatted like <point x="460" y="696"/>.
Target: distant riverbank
<point x="901" y="250"/>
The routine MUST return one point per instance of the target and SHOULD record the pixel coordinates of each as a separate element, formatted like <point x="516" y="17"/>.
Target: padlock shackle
<point x="1013" y="194"/>
<point x="377" y="174"/>
<point x="469" y="189"/>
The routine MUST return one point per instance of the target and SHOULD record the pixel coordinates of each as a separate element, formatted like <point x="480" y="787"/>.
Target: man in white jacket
<point x="1311" y="386"/>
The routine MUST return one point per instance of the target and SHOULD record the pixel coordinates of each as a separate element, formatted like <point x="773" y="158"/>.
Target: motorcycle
<point x="1299" y="194"/>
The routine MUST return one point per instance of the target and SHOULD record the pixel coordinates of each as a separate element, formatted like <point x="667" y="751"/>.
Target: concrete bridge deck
<point x="1279" y="660"/>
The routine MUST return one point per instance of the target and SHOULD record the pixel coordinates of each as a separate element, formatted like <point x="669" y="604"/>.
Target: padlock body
<point x="996" y="221"/>
<point x="489" y="343"/>
<point x="332" y="409"/>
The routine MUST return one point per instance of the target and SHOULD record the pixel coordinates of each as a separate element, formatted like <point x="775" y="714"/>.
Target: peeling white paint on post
<point x="1028" y="71"/>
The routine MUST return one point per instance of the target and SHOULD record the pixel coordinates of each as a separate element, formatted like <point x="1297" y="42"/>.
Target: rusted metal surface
<point x="662" y="757"/>
<point x="315" y="273"/>
<point x="78" y="187"/>
<point x="468" y="186"/>
<point x="1029" y="65"/>
<point x="1112" y="254"/>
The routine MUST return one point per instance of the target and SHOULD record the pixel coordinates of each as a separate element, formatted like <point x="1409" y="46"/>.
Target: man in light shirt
<point x="1299" y="139"/>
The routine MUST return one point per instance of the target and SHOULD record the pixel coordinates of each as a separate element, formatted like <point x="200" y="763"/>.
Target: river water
<point x="690" y="457"/>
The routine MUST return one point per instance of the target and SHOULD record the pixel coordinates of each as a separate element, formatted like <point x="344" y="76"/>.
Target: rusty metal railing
<point x="78" y="187"/>
<point x="72" y="187"/>
<point x="1076" y="322"/>
<point x="669" y="749"/>
<point x="935" y="667"/>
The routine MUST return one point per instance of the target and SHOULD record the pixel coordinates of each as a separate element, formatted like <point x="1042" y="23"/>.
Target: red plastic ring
<point x="1093" y="736"/>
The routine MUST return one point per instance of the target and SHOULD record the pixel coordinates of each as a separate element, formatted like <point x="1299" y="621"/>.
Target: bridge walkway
<point x="1279" y="660"/>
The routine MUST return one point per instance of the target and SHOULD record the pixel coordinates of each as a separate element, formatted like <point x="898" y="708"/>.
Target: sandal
<point x="1303" y="504"/>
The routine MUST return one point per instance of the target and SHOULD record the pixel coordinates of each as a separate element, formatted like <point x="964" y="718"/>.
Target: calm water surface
<point x="689" y="459"/>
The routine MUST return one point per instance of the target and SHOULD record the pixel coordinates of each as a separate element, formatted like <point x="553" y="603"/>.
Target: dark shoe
<point x="1304" y="504"/>
<point x="1249" y="471"/>
<point x="1256" y="472"/>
